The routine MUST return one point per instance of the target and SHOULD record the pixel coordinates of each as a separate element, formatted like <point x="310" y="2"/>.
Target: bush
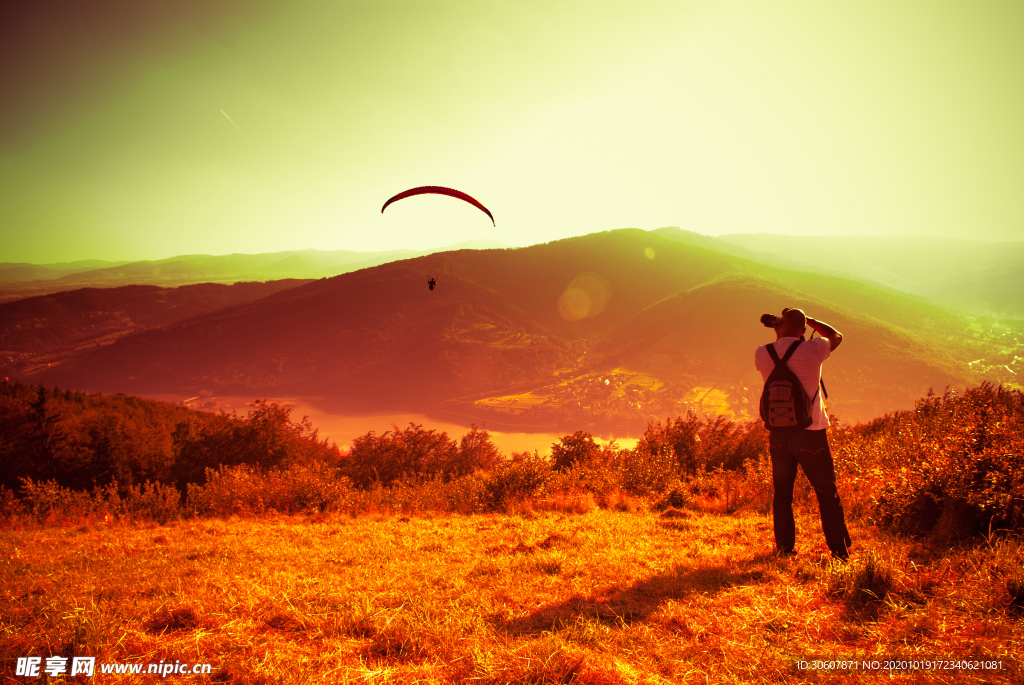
<point x="676" y="498"/>
<point x="524" y="475"/>
<point x="466" y="495"/>
<point x="416" y="453"/>
<point x="476" y="451"/>
<point x="50" y="503"/>
<point x="710" y="444"/>
<point x="950" y="468"/>
<point x="727" y="492"/>
<point x="266" y="438"/>
<point x="10" y="506"/>
<point x="647" y="472"/>
<point x="600" y="480"/>
<point x="410" y="495"/>
<point x="247" y="490"/>
<point x="149" y="501"/>
<point x="578" y="448"/>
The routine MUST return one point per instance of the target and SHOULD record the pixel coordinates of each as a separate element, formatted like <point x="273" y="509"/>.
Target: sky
<point x="146" y="130"/>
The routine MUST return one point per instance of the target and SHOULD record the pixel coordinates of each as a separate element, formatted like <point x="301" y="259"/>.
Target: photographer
<point x="797" y="425"/>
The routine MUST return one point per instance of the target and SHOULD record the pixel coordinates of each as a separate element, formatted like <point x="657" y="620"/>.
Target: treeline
<point x="80" y="454"/>
<point x="953" y="467"/>
<point x="80" y="441"/>
<point x="59" y="321"/>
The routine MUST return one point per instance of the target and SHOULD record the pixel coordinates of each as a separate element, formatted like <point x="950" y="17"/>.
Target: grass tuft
<point x="182" y="618"/>
<point x="677" y="498"/>
<point x="863" y="582"/>
<point x="1014" y="585"/>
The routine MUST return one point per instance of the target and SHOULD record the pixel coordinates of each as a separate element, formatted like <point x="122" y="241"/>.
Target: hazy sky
<point x="144" y="130"/>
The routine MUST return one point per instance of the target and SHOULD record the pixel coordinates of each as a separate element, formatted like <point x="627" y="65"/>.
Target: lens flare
<point x="587" y="295"/>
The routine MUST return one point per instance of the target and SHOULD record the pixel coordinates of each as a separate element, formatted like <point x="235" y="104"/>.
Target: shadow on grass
<point x="637" y="602"/>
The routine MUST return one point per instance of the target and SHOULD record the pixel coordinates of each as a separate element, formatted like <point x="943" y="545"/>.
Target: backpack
<point x="784" y="402"/>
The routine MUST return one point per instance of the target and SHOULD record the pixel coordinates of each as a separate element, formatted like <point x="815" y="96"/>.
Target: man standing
<point x="807" y="447"/>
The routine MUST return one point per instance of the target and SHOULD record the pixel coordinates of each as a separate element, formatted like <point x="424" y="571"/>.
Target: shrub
<point x="600" y="480"/>
<point x="229" y="490"/>
<point x="524" y="475"/>
<point x="10" y="506"/>
<point x="476" y="451"/>
<point x="50" y="503"/>
<point x="149" y="501"/>
<point x="950" y="468"/>
<point x="709" y="444"/>
<point x="646" y="472"/>
<point x="1014" y="586"/>
<point x="416" y="452"/>
<point x="677" y="498"/>
<point x="573" y="503"/>
<point x="578" y="448"/>
<point x="266" y="438"/>
<point x="727" y="492"/>
<point x="244" y="490"/>
<point x="466" y="495"/>
<point x="81" y="441"/>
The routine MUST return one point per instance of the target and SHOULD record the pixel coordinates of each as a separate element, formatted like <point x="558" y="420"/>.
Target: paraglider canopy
<point x="440" y="190"/>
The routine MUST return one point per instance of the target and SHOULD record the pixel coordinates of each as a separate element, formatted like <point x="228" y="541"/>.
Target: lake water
<point x="343" y="428"/>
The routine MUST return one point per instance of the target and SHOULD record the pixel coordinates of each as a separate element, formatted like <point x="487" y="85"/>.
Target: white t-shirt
<point x="806" y="365"/>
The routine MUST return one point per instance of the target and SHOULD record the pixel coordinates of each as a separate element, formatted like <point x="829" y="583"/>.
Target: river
<point x="343" y="428"/>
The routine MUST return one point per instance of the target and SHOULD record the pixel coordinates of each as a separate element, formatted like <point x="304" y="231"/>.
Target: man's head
<point x="792" y="323"/>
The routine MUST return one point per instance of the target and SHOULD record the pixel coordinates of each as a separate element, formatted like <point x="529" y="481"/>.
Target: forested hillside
<point x="43" y="330"/>
<point x="81" y="440"/>
<point x="565" y="334"/>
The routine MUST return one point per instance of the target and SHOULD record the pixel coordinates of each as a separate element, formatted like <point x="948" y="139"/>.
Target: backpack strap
<point x="791" y="350"/>
<point x="789" y="353"/>
<point x="785" y="358"/>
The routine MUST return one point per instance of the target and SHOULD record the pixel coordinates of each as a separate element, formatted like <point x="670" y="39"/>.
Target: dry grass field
<point x="576" y="595"/>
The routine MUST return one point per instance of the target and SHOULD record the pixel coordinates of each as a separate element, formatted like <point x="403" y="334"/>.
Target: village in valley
<point x="620" y="399"/>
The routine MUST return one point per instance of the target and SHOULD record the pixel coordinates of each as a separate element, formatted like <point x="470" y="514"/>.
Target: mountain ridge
<point x="976" y="276"/>
<point x="18" y="281"/>
<point x="505" y="319"/>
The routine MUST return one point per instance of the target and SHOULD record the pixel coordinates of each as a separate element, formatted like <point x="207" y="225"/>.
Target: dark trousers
<point x="810" y="450"/>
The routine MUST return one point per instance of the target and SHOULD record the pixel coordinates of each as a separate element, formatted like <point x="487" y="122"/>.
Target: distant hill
<point x="976" y="276"/>
<point x="20" y="272"/>
<point x="875" y="369"/>
<point x="609" y="329"/>
<point x="18" y="281"/>
<point x="43" y="329"/>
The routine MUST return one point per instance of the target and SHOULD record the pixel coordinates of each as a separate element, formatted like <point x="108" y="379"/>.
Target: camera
<point x="769" y="320"/>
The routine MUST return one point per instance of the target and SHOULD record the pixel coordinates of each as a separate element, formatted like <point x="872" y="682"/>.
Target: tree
<point x="572" y="449"/>
<point x="476" y="451"/>
<point x="397" y="453"/>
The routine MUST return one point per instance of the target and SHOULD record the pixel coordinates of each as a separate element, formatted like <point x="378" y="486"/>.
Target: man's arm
<point x="826" y="331"/>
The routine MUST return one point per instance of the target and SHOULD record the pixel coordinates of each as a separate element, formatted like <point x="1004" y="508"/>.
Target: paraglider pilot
<point x="431" y="282"/>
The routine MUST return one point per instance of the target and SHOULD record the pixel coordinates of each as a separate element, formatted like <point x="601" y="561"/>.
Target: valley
<point x="606" y="332"/>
